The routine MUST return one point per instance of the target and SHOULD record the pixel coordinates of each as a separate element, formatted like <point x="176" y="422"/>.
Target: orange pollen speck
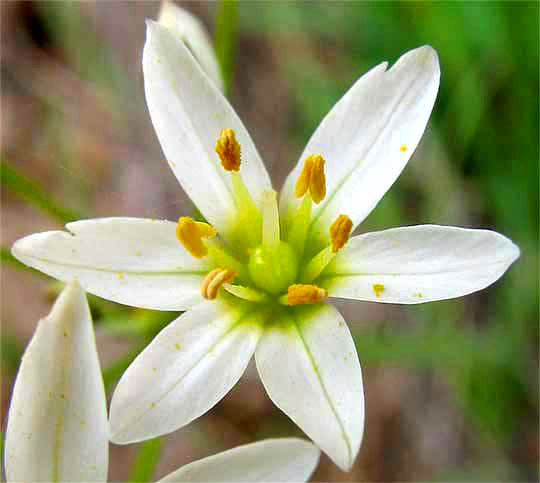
<point x="378" y="289"/>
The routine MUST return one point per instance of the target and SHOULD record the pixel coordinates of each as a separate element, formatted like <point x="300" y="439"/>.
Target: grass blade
<point x="29" y="191"/>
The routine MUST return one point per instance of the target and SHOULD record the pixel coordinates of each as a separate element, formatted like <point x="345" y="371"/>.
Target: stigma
<point x="312" y="179"/>
<point x="214" y="280"/>
<point x="340" y="231"/>
<point x="190" y="234"/>
<point x="228" y="150"/>
<point x="301" y="294"/>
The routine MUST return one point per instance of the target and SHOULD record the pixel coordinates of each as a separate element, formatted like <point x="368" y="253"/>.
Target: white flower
<point x="269" y="460"/>
<point x="57" y="425"/>
<point x="192" y="32"/>
<point x="265" y="275"/>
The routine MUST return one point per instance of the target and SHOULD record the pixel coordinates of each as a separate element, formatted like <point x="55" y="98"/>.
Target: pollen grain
<point x="378" y="289"/>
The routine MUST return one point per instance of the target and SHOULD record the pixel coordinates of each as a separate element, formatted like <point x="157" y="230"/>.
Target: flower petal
<point x="415" y="264"/>
<point x="368" y="137"/>
<point x="189" y="366"/>
<point x="57" y="425"/>
<point x="192" y="32"/>
<point x="309" y="367"/>
<point x="270" y="460"/>
<point x="132" y="261"/>
<point x="188" y="113"/>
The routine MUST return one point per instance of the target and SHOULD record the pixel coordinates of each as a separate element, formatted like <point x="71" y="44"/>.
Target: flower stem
<point x="225" y="39"/>
<point x="146" y="460"/>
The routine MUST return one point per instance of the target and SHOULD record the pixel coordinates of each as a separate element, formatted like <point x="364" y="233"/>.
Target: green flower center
<point x="258" y="265"/>
<point x="273" y="270"/>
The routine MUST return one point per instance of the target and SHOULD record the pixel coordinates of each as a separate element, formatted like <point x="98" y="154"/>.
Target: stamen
<point x="303" y="294"/>
<point x="312" y="179"/>
<point x="300" y="226"/>
<point x="248" y="215"/>
<point x="214" y="280"/>
<point x="190" y="234"/>
<point x="270" y="228"/>
<point x="339" y="235"/>
<point x="246" y="232"/>
<point x="340" y="232"/>
<point x="318" y="180"/>
<point x="302" y="185"/>
<point x="317" y="264"/>
<point x="246" y="293"/>
<point x="228" y="150"/>
<point x="221" y="258"/>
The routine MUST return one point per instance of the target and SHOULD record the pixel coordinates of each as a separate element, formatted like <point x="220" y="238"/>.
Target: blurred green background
<point x="451" y="387"/>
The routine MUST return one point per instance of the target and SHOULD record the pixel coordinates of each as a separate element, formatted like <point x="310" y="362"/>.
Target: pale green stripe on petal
<point x="308" y="364"/>
<point x="133" y="261"/>
<point x="416" y="264"/>
<point x="188" y="113"/>
<point x="367" y="139"/>
<point x="188" y="367"/>
<point x="57" y="424"/>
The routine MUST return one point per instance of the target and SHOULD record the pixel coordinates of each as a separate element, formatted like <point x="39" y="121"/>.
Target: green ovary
<point x="273" y="270"/>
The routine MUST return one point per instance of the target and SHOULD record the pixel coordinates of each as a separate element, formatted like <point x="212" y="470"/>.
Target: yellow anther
<point x="190" y="234"/>
<point x="403" y="148"/>
<point x="214" y="280"/>
<point x="340" y="232"/>
<point x="318" y="180"/>
<point x="228" y="150"/>
<point x="302" y="185"/>
<point x="304" y="294"/>
<point x="378" y="289"/>
<point x="312" y="179"/>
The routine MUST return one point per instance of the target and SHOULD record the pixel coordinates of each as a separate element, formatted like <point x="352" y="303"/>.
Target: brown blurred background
<point x="451" y="387"/>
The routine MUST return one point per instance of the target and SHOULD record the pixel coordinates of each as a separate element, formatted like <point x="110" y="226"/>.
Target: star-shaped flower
<point x="255" y="279"/>
<point x="57" y="426"/>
